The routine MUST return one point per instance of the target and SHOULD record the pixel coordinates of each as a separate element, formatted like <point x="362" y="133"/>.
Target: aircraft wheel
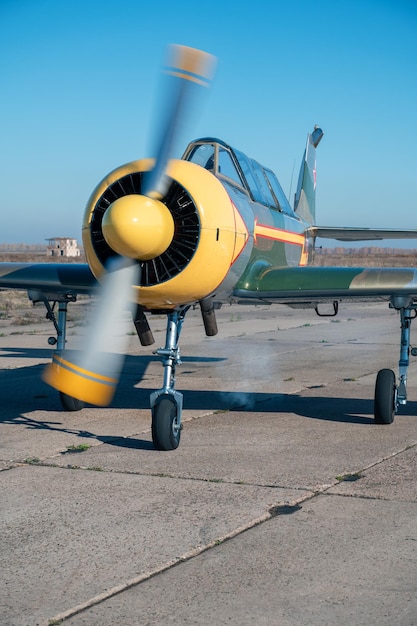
<point x="69" y="403"/>
<point x="385" y="397"/>
<point x="166" y="430"/>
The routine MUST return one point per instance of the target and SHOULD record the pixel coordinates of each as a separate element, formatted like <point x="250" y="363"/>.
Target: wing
<point x="321" y="284"/>
<point x="56" y="278"/>
<point x="360" y="234"/>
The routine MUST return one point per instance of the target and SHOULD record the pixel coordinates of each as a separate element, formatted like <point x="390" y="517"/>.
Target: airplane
<point x="163" y="235"/>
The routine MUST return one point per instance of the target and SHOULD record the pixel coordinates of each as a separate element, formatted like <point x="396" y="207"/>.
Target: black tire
<point x="166" y="434"/>
<point x="385" y="391"/>
<point x="69" y="403"/>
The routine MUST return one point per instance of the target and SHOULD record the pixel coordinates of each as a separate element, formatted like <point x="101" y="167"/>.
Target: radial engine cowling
<point x="181" y="266"/>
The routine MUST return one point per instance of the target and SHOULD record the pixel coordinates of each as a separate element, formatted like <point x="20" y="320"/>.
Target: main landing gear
<point x="69" y="403"/>
<point x="389" y="395"/>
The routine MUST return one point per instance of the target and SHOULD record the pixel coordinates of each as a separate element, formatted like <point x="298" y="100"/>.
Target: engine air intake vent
<point x="186" y="229"/>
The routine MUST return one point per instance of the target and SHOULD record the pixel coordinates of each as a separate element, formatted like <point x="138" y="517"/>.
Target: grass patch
<point x="82" y="447"/>
<point x="32" y="460"/>
<point x="349" y="478"/>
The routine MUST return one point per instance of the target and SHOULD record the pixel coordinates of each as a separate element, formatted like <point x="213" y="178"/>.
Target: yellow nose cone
<point x="138" y="227"/>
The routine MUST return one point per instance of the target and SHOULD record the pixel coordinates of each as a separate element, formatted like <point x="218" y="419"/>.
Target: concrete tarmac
<point x="284" y="504"/>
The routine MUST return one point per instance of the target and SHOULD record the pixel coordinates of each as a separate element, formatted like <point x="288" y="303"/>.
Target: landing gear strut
<point x="68" y="402"/>
<point x="166" y="403"/>
<point x="388" y="395"/>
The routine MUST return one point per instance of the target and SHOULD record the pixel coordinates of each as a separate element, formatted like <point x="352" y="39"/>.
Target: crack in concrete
<point x="273" y="512"/>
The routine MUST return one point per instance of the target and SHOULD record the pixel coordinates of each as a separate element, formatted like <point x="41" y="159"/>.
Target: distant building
<point x="62" y="246"/>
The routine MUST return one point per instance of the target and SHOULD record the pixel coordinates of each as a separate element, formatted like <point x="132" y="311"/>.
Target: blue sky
<point x="79" y="82"/>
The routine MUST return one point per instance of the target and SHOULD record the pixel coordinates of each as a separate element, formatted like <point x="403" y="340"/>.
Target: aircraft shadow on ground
<point x="24" y="392"/>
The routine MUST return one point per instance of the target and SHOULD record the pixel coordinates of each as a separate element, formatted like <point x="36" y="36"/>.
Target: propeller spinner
<point x="138" y="227"/>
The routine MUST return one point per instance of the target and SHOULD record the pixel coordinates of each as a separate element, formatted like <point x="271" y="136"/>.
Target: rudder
<point x="305" y="196"/>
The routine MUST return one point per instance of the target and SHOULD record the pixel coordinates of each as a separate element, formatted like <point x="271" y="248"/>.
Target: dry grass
<point x="371" y="256"/>
<point x="37" y="257"/>
<point x="17" y="310"/>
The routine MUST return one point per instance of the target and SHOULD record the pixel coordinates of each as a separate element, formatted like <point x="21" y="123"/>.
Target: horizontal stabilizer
<point x="360" y="234"/>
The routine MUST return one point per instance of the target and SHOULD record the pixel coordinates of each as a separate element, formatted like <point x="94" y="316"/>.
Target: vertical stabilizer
<point x="305" y="196"/>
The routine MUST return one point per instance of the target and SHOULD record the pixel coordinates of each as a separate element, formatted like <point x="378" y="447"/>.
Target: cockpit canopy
<point x="235" y="167"/>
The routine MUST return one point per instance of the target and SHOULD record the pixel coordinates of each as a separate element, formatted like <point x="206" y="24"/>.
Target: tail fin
<point x="305" y="196"/>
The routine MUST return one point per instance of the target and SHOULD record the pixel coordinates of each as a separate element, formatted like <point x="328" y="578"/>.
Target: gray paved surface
<point x="284" y="504"/>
